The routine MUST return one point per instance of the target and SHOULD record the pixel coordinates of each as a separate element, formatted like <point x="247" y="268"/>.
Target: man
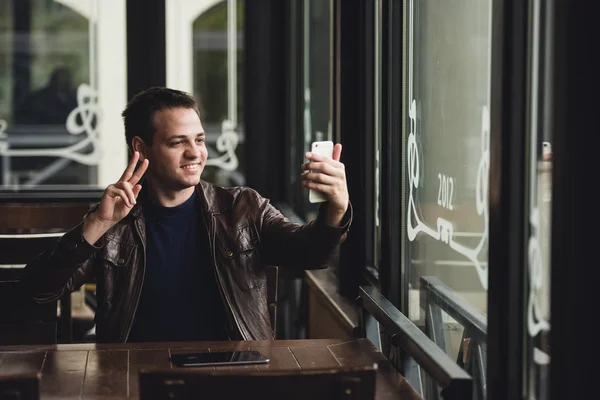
<point x="176" y="258"/>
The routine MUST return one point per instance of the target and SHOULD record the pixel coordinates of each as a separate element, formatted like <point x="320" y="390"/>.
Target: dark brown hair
<point x="138" y="116"/>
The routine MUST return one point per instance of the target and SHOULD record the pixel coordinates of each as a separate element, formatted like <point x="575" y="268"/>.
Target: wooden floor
<point x="110" y="371"/>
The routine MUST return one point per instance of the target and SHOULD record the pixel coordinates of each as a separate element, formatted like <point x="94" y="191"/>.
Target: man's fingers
<point x="325" y="189"/>
<point x="124" y="191"/>
<point x="320" y="178"/>
<point x="135" y="178"/>
<point x="131" y="167"/>
<point x="118" y="193"/>
<point x="136" y="190"/>
<point x="333" y="168"/>
<point x="337" y="152"/>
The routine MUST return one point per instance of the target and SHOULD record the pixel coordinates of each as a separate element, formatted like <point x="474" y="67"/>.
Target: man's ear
<point x="138" y="145"/>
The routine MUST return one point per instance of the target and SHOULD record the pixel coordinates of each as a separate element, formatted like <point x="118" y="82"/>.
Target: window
<point x="316" y="78"/>
<point x="538" y="210"/>
<point x="62" y="89"/>
<point x="205" y="58"/>
<point x="446" y="148"/>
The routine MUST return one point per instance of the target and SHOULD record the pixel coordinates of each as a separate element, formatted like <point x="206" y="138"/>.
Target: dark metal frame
<point x="506" y="198"/>
<point x="146" y="45"/>
<point x="437" y="297"/>
<point x="455" y="383"/>
<point x="352" y="124"/>
<point x="294" y="154"/>
<point x="573" y="121"/>
<point x="265" y="96"/>
<point x="391" y="156"/>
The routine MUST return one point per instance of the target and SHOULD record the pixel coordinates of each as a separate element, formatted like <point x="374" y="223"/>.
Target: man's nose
<point x="193" y="151"/>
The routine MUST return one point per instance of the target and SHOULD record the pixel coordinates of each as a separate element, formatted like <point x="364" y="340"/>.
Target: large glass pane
<point x="446" y="173"/>
<point x="61" y="93"/>
<point x="539" y="204"/>
<point x="377" y="101"/>
<point x="316" y="78"/>
<point x="221" y="106"/>
<point x="204" y="43"/>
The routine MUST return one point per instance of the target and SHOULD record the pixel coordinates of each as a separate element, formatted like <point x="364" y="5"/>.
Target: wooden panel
<point x="324" y="384"/>
<point x="28" y="218"/>
<point x="22" y="321"/>
<point x="329" y="314"/>
<point x="280" y="358"/>
<point x="355" y="352"/>
<point x="22" y="362"/>
<point x="272" y="275"/>
<point x="14" y="306"/>
<point x="106" y="374"/>
<point x="27" y="333"/>
<point x="109" y="371"/>
<point x="63" y="373"/>
<point x="24" y="248"/>
<point x="174" y="345"/>
<point x="308" y="358"/>
<point x="145" y="359"/>
<point x="20" y="386"/>
<point x="322" y="322"/>
<point x="389" y="383"/>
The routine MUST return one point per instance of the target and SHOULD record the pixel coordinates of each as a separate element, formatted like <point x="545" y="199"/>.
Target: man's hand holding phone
<point x="327" y="175"/>
<point x="116" y="202"/>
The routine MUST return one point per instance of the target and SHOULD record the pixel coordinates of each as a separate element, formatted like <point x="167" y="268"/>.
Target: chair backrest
<point x="22" y="321"/>
<point x="41" y="217"/>
<point x="272" y="273"/>
<point x="24" y="386"/>
<point x="356" y="383"/>
<point x="19" y="224"/>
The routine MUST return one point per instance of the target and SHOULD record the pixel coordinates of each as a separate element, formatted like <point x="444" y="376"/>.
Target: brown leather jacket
<point x="246" y="233"/>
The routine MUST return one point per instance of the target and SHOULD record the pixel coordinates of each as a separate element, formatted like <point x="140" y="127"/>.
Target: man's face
<point x="178" y="152"/>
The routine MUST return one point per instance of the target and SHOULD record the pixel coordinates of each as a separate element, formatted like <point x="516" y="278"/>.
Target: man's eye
<point x="200" y="140"/>
<point x="175" y="143"/>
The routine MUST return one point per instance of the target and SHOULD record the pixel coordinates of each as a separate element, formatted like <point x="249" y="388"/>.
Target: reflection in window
<point x="447" y="160"/>
<point x="62" y="68"/>
<point x="537" y="301"/>
<point x="218" y="88"/>
<point x="316" y="70"/>
<point x="377" y="98"/>
<point x="44" y="59"/>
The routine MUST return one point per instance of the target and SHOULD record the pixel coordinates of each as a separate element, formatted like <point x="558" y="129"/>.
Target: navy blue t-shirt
<point x="180" y="299"/>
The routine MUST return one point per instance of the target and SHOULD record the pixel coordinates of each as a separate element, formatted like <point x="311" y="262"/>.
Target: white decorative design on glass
<point x="80" y="120"/>
<point x="538" y="313"/>
<point x="3" y="136"/>
<point x="446" y="191"/>
<point x="445" y="228"/>
<point x="180" y="16"/>
<point x="228" y="139"/>
<point x="226" y="143"/>
<point x="536" y="320"/>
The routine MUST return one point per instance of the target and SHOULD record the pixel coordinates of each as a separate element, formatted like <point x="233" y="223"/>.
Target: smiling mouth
<point x="191" y="166"/>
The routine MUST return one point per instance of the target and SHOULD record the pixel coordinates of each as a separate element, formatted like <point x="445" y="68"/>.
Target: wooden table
<point x="110" y="371"/>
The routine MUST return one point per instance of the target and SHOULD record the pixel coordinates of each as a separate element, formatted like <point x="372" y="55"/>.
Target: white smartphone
<point x="326" y="149"/>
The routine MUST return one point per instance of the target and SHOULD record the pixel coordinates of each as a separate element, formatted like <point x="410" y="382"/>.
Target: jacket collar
<point x="215" y="199"/>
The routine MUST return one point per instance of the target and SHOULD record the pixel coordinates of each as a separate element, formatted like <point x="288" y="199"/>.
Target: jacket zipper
<point x="214" y="254"/>
<point x="137" y="229"/>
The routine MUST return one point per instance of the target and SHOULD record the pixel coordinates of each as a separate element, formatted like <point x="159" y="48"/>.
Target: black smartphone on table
<point x="238" y="357"/>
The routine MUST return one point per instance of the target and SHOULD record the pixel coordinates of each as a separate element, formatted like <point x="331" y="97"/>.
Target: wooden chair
<point x="272" y="273"/>
<point x="22" y="321"/>
<point x="355" y="383"/>
<point x="20" y="386"/>
<point x="43" y="218"/>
